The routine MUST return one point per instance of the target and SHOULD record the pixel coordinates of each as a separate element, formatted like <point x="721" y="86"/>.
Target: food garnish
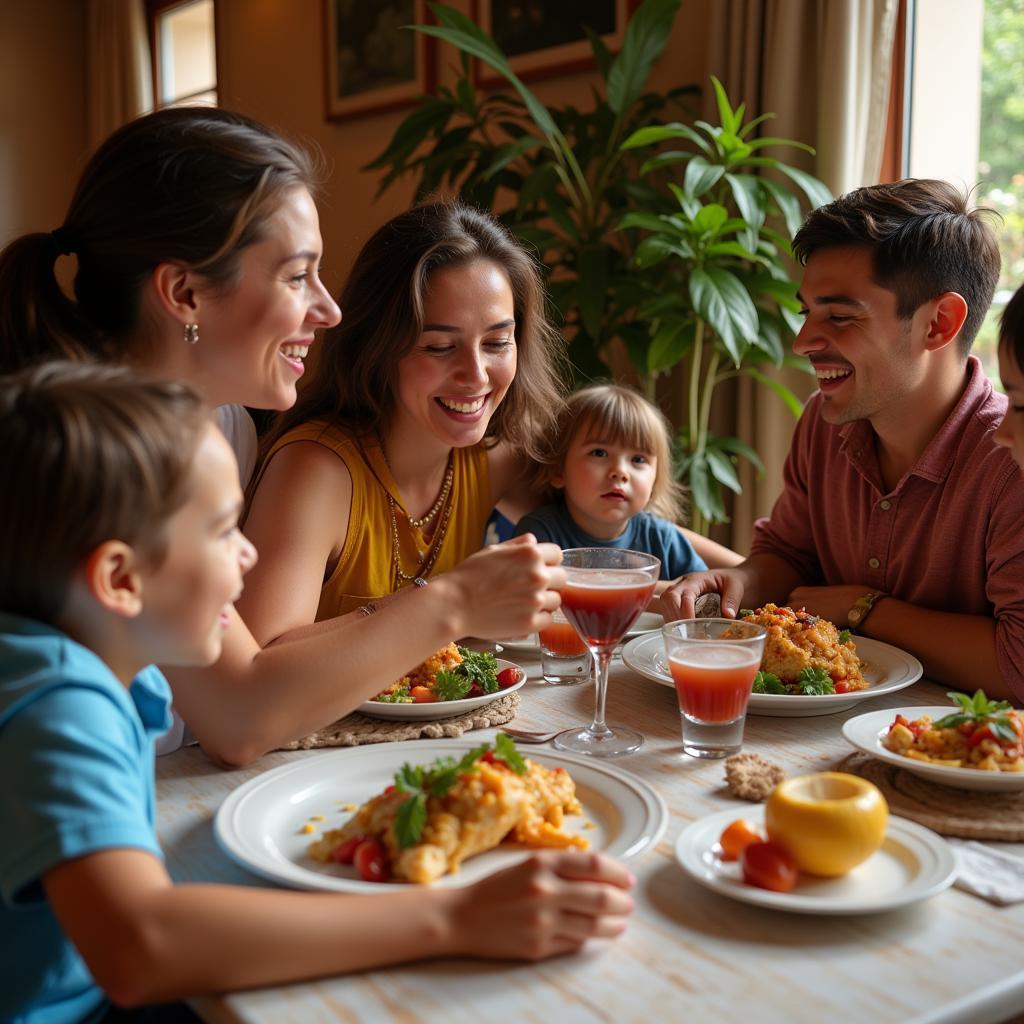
<point x="452" y="673"/>
<point x="435" y="779"/>
<point x="984" y="734"/>
<point x="736" y="837"/>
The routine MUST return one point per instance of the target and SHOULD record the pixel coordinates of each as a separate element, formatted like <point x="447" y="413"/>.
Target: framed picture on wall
<point x="373" y="63"/>
<point x="545" y="38"/>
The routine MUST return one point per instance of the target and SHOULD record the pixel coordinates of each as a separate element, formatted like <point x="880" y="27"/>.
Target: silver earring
<point x="192" y="333"/>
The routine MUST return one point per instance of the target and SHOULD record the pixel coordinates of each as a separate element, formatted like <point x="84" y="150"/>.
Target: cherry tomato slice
<point x="508" y="677"/>
<point x="769" y="866"/>
<point x="422" y="695"/>
<point x="371" y="861"/>
<point x="344" y="852"/>
<point x="737" y="837"/>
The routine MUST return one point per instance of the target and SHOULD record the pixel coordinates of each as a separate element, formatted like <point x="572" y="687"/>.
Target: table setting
<point x="927" y="928"/>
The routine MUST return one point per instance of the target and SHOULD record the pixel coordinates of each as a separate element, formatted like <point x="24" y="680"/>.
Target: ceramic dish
<point x="260" y="824"/>
<point x="912" y="864"/>
<point x="441" y="708"/>
<point x="865" y="732"/>
<point x="645" y="623"/>
<point x="889" y="669"/>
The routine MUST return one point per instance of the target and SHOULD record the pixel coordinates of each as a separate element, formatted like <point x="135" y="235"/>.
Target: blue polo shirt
<point x="644" y="532"/>
<point x="76" y="777"/>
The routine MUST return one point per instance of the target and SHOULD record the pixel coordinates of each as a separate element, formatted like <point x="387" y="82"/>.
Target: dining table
<point x="688" y="953"/>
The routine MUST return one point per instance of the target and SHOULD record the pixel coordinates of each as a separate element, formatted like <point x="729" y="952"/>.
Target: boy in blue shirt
<point x="119" y="547"/>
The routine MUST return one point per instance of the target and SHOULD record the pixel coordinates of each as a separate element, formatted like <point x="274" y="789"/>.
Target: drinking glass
<point x="564" y="658"/>
<point x="605" y="591"/>
<point x="713" y="663"/>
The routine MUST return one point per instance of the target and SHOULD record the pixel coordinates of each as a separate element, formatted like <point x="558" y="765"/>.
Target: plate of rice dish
<point x="450" y="682"/>
<point x="809" y="667"/>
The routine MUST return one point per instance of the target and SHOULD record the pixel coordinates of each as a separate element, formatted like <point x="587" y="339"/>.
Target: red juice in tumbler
<point x="713" y="683"/>
<point x="603" y="603"/>
<point x="561" y="639"/>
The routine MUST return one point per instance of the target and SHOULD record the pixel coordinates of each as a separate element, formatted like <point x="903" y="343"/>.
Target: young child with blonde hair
<point x="119" y="547"/>
<point x="610" y="470"/>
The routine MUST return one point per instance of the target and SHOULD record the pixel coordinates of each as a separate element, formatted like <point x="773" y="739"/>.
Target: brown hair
<point x="924" y="238"/>
<point x="382" y="303"/>
<point x="90" y="453"/>
<point x="195" y="185"/>
<point x="624" y="416"/>
<point x="1011" y="327"/>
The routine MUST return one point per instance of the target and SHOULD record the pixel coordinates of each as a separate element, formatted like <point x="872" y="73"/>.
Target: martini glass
<point x="605" y="590"/>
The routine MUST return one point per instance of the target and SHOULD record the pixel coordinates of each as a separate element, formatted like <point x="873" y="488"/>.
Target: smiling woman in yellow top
<point x="435" y="386"/>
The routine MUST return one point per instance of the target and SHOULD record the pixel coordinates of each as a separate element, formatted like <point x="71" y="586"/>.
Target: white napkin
<point x="989" y="873"/>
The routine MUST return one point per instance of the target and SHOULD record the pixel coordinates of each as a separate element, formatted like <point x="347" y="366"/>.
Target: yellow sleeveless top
<point x="365" y="569"/>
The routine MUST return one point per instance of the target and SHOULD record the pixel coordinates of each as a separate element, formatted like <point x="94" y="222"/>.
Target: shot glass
<point x="713" y="663"/>
<point x="565" y="659"/>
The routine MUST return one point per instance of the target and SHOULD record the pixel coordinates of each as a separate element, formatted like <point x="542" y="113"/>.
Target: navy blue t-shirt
<point x="644" y="532"/>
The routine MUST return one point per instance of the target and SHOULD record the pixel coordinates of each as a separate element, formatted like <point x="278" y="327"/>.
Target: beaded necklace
<point x="442" y="505"/>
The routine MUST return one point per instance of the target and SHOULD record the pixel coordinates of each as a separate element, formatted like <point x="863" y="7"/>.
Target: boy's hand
<point x="549" y="904"/>
<point x="508" y="589"/>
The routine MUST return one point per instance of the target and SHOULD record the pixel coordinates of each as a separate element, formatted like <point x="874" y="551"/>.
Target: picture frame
<point x="372" y="63"/>
<point x="553" y="24"/>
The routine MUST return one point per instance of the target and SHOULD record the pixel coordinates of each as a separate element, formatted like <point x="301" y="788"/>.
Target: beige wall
<point x="42" y="111"/>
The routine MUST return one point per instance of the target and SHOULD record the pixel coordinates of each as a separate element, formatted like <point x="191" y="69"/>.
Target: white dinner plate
<point x="441" y="708"/>
<point x="646" y="622"/>
<point x="912" y="864"/>
<point x="888" y="669"/>
<point x="865" y="732"/>
<point x="260" y="824"/>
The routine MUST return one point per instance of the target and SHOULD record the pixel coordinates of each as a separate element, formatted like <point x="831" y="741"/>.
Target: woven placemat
<point x="966" y="813"/>
<point x="356" y="729"/>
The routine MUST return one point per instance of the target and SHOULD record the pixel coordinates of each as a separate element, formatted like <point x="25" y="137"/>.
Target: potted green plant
<point x="586" y="190"/>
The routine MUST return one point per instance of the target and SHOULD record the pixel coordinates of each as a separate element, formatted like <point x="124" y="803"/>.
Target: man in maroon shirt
<point x="900" y="516"/>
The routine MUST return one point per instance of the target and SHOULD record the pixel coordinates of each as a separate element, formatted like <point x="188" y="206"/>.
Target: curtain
<point x="120" y="84"/>
<point x="823" y="67"/>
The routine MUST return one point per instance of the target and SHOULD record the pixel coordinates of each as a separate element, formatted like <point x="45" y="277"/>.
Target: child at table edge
<point x="609" y="471"/>
<point x="119" y="548"/>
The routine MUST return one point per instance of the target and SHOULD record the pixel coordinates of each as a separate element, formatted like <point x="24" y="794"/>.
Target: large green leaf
<point x="787" y="203"/>
<point x="644" y="41"/>
<point x="701" y="176"/>
<point x="722" y="469"/>
<point x="790" y="400"/>
<point x="746" y="191"/>
<point x="735" y="446"/>
<point x="458" y="30"/>
<point x="728" y="117"/>
<point x="670" y="344"/>
<point x="720" y="298"/>
<point x="654" y="134"/>
<point x="706" y="492"/>
<point x="709" y="219"/>
<point x="506" y="154"/>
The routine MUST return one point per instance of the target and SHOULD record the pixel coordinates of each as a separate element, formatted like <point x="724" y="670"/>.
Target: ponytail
<point x="38" y="322"/>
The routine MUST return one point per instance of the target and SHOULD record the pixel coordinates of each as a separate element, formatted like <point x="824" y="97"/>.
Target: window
<point x="184" y="53"/>
<point x="966" y="119"/>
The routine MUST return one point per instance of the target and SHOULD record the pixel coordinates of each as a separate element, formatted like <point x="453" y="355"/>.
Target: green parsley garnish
<point x="451" y="686"/>
<point x="844" y="636"/>
<point x="419" y="782"/>
<point x="814" y="682"/>
<point x="981" y="710"/>
<point x="744" y="612"/>
<point x="768" y="682"/>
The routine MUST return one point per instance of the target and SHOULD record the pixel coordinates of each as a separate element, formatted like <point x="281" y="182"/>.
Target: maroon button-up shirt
<point x="949" y="536"/>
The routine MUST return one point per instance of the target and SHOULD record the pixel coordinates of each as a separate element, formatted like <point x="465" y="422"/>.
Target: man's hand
<point x="677" y="601"/>
<point x="832" y="603"/>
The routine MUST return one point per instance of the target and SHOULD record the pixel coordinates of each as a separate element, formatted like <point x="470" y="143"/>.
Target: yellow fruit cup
<point x="829" y="821"/>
